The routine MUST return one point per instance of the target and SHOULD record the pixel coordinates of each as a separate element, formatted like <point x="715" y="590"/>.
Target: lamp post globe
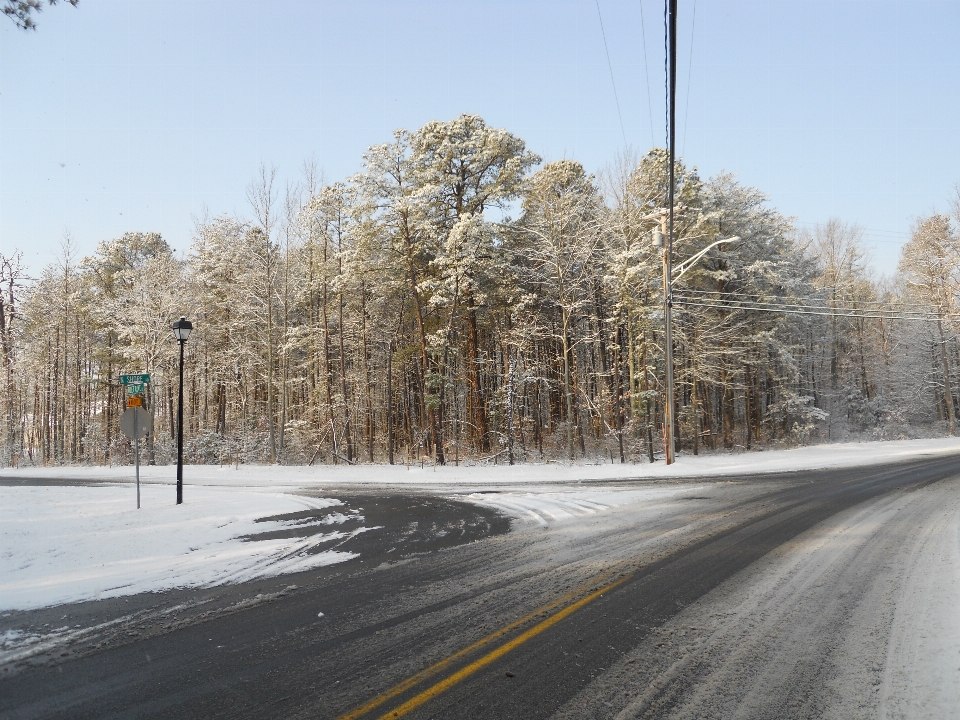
<point x="181" y="330"/>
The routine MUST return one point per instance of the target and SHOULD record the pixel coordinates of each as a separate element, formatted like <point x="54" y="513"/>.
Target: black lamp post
<point x="181" y="329"/>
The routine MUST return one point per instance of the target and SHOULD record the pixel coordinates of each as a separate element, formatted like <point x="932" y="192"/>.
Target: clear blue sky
<point x="142" y="114"/>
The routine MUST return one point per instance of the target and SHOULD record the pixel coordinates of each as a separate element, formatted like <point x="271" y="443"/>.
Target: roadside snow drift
<point x="68" y="544"/>
<point x="282" y="478"/>
<point x="63" y="544"/>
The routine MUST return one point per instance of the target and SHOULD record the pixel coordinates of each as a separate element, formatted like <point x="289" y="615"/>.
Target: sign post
<point x="136" y="421"/>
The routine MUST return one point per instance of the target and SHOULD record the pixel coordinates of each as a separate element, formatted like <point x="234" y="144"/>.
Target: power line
<point x="830" y="312"/>
<point x="890" y="237"/>
<point x="686" y="107"/>
<point x="728" y="295"/>
<point x="646" y="71"/>
<point x="787" y="310"/>
<point x="612" y="81"/>
<point x="858" y="227"/>
<point x="666" y="69"/>
<point x="806" y="303"/>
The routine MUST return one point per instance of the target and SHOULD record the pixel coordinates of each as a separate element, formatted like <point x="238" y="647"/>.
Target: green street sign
<point x="135" y="379"/>
<point x="135" y="388"/>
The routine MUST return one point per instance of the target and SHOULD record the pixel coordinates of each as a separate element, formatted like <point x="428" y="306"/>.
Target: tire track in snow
<point x="804" y="632"/>
<point x="922" y="674"/>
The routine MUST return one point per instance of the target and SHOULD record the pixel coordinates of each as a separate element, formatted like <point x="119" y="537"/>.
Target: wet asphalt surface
<point x="437" y="577"/>
<point x="399" y="527"/>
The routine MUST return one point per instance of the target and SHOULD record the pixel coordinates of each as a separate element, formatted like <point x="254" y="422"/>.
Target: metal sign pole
<point x="135" y="423"/>
<point x="180" y="432"/>
<point x="136" y="444"/>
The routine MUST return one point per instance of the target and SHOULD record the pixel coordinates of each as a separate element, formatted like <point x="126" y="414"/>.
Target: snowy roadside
<point x="288" y="478"/>
<point x="62" y="544"/>
<point x="69" y="544"/>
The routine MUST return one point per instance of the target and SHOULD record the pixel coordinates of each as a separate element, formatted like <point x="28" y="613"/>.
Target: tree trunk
<point x="271" y="425"/>
<point x="747" y="386"/>
<point x="476" y="400"/>
<point x="347" y="437"/>
<point x="366" y="371"/>
<point x="727" y="410"/>
<point x="389" y="403"/>
<point x="567" y="393"/>
<point x="618" y="394"/>
<point x="947" y="391"/>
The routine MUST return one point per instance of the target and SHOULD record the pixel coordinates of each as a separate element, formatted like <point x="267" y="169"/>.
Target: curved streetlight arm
<point x="690" y="262"/>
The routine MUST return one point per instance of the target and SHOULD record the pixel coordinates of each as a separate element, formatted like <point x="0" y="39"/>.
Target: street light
<point x="181" y="330"/>
<point x="671" y="273"/>
<point x="690" y="262"/>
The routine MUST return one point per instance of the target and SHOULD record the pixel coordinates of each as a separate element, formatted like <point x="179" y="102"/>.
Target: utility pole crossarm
<point x="661" y="212"/>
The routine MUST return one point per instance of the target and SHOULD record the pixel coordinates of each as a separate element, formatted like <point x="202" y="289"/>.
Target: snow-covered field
<point x="63" y="544"/>
<point x="284" y="478"/>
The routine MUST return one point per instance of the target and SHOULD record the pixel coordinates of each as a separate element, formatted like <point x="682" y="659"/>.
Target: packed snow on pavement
<point x="882" y="579"/>
<point x="856" y="618"/>
<point x="62" y="544"/>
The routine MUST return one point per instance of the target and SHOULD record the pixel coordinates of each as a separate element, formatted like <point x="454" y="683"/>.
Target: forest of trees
<point x="461" y="301"/>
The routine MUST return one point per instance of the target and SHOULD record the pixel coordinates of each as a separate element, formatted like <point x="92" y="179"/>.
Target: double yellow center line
<point x="433" y="691"/>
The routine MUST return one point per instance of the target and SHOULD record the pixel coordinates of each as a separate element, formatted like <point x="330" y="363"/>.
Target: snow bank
<point x="68" y="544"/>
<point x="64" y="544"/>
<point x="715" y="465"/>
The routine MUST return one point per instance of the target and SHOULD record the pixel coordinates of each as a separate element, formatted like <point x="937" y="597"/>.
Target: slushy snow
<point x="67" y="544"/>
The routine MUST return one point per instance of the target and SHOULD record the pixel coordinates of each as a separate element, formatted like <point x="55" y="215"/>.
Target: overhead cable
<point x="646" y="70"/>
<point x="613" y="82"/>
<point x="805" y="302"/>
<point x="686" y="107"/>
<point x="846" y="312"/>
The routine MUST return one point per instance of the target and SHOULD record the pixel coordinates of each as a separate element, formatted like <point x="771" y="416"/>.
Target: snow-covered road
<point x="80" y="542"/>
<point x="790" y="595"/>
<point x="857" y="618"/>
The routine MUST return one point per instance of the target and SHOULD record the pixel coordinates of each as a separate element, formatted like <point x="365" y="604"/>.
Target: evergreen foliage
<point x="404" y="313"/>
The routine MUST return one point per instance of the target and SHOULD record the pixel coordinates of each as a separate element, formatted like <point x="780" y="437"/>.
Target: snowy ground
<point x="62" y="544"/>
<point x="857" y="618"/>
<point x="65" y="544"/>
<point x="284" y="478"/>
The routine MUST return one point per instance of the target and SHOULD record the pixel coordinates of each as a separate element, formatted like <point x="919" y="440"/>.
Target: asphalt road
<point x="484" y="624"/>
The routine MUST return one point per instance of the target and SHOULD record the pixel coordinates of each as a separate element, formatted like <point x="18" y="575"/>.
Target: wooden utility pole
<point x="668" y="420"/>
